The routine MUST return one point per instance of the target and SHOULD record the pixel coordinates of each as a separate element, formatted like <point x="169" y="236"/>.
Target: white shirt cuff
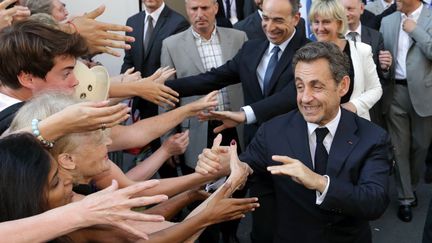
<point x="250" y="115"/>
<point x="321" y="196"/>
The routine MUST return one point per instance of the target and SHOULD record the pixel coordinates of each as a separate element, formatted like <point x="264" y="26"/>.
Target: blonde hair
<point x="332" y="9"/>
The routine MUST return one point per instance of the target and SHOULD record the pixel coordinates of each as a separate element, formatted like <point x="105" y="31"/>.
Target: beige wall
<point x="177" y="5"/>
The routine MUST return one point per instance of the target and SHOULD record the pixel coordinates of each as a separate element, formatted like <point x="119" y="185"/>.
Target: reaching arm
<point x="144" y="131"/>
<point x="109" y="206"/>
<point x="168" y="186"/>
<point x="97" y="34"/>
<point x="176" y="144"/>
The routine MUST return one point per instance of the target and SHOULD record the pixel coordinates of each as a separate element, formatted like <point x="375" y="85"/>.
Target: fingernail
<point x="233" y="142"/>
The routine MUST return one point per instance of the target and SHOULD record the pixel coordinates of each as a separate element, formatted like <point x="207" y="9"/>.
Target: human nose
<point x="75" y="81"/>
<point x="307" y="95"/>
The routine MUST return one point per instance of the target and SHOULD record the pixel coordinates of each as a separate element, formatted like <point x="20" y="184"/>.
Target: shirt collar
<point x="281" y="46"/>
<point x="331" y="126"/>
<point x="415" y="14"/>
<point x="386" y="4"/>
<point x="155" y="14"/>
<point x="200" y="38"/>
<point x="358" y="30"/>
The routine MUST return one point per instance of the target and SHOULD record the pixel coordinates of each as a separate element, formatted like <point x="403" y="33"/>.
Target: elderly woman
<point x="55" y="8"/>
<point x="32" y="183"/>
<point x="329" y="23"/>
<point x="85" y="154"/>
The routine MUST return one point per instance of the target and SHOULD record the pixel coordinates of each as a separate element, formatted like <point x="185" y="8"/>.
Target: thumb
<point x="233" y="151"/>
<point x="97" y="104"/>
<point x="219" y="129"/>
<point x="95" y="13"/>
<point x="282" y="159"/>
<point x="217" y="141"/>
<point x="111" y="188"/>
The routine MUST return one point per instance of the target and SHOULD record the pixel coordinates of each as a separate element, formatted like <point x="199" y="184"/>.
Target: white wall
<point x="117" y="11"/>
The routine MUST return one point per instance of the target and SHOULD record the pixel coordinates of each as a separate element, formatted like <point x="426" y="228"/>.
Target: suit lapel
<point x="395" y="33"/>
<point x="366" y="36"/>
<point x="159" y="24"/>
<point x="226" y="44"/>
<point x="191" y="50"/>
<point x="139" y="38"/>
<point x="423" y="21"/>
<point x="344" y="141"/>
<point x="255" y="59"/>
<point x="298" y="140"/>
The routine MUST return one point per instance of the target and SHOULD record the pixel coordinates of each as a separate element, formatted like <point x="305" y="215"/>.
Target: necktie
<point x="148" y="33"/>
<point x="270" y="68"/>
<point x="353" y="37"/>
<point x="228" y="9"/>
<point x="321" y="155"/>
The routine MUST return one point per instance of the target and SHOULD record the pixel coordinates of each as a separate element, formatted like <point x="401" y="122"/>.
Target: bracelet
<point x="73" y="25"/>
<point x="36" y="133"/>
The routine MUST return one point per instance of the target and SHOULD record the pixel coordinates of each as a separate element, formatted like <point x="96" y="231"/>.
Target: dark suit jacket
<point x="253" y="28"/>
<point x="280" y="97"/>
<point x="239" y="9"/>
<point x="370" y="20"/>
<point x="169" y="23"/>
<point x="358" y="168"/>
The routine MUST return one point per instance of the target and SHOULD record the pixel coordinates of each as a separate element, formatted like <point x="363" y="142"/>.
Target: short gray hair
<point x="39" y="6"/>
<point x="43" y="106"/>
<point x="337" y="60"/>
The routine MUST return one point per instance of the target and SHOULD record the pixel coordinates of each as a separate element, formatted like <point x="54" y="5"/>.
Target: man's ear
<point x="296" y="18"/>
<point x="344" y="85"/>
<point x="66" y="161"/>
<point x="26" y="80"/>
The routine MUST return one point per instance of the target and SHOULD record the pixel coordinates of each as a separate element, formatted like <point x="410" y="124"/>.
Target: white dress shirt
<point x="327" y="142"/>
<point x="404" y="43"/>
<point x="155" y="16"/>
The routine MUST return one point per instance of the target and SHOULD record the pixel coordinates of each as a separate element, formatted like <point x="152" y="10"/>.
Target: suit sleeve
<point x="368" y="198"/>
<point x="204" y="83"/>
<point x="127" y="60"/>
<point x="256" y="153"/>
<point x="276" y="104"/>
<point x="372" y="86"/>
<point x="423" y="39"/>
<point x="166" y="59"/>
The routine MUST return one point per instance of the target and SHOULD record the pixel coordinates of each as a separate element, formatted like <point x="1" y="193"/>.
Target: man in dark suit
<point x="264" y="97"/>
<point x="145" y="52"/>
<point x="249" y="67"/>
<point x="329" y="168"/>
<point x="235" y="8"/>
<point x="252" y="24"/>
<point x="382" y="58"/>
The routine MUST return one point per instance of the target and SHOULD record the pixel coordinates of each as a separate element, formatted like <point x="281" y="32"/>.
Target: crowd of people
<point x="228" y="110"/>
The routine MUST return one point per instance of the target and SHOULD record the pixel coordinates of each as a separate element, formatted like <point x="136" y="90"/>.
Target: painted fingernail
<point x="233" y="142"/>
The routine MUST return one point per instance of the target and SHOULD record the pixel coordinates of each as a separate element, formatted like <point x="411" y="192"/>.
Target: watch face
<point x="93" y="84"/>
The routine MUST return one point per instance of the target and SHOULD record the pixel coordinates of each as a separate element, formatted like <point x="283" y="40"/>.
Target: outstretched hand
<point x="298" y="172"/>
<point x="113" y="207"/>
<point x="221" y="207"/>
<point x="215" y="160"/>
<point x="239" y="170"/>
<point x="98" y="35"/>
<point x="7" y="16"/>
<point x="229" y="118"/>
<point x="207" y="102"/>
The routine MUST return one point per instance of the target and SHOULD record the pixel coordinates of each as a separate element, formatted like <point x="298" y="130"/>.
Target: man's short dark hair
<point x="30" y="47"/>
<point x="337" y="60"/>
